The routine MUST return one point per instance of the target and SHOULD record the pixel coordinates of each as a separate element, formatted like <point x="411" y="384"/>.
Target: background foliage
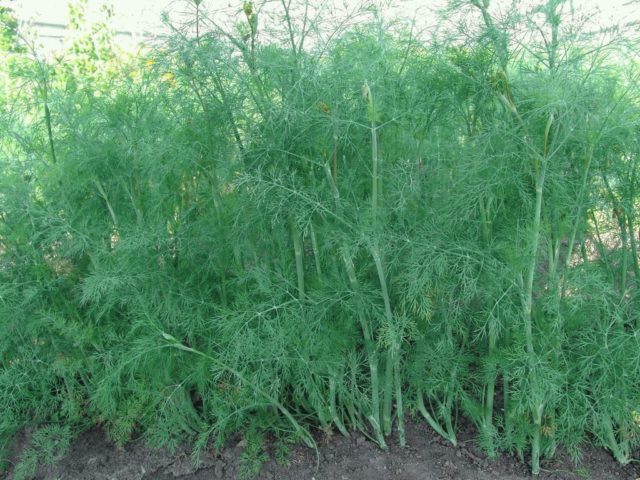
<point x="299" y="221"/>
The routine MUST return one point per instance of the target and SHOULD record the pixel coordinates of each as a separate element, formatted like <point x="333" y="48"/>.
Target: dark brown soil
<point x="426" y="457"/>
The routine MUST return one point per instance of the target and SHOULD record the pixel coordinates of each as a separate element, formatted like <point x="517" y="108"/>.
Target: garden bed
<point x="426" y="457"/>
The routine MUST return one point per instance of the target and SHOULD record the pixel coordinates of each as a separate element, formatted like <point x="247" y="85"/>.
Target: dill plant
<point x="287" y="224"/>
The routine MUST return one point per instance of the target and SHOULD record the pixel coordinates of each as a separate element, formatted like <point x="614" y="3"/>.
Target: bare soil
<point x="426" y="457"/>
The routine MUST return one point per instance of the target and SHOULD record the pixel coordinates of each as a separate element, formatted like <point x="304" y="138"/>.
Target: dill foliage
<point x="300" y="221"/>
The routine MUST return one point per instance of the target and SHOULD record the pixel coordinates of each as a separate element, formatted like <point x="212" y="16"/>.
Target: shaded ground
<point x="426" y="457"/>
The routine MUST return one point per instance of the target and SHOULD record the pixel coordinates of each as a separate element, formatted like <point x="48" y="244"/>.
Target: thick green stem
<point x="541" y="168"/>
<point x="298" y="251"/>
<point x="432" y="422"/>
<point x="387" y="402"/>
<point x="323" y="418"/>
<point x="620" y="450"/>
<point x="535" y="441"/>
<point x="447" y="419"/>
<point x="332" y="406"/>
<point x="47" y="118"/>
<point x="388" y="378"/>
<point x="372" y="356"/>
<point x="506" y="400"/>
<point x="375" y="177"/>
<point x="506" y="385"/>
<point x="399" y="402"/>
<point x="490" y="392"/>
<point x="535" y="241"/>
<point x="103" y="194"/>
<point x="486" y="222"/>
<point x="375" y="162"/>
<point x="316" y="250"/>
<point x="354" y="415"/>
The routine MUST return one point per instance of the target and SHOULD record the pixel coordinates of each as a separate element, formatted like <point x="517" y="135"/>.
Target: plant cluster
<point x="295" y="223"/>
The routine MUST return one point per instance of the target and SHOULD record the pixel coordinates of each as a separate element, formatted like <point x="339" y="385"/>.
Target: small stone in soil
<point x="218" y="469"/>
